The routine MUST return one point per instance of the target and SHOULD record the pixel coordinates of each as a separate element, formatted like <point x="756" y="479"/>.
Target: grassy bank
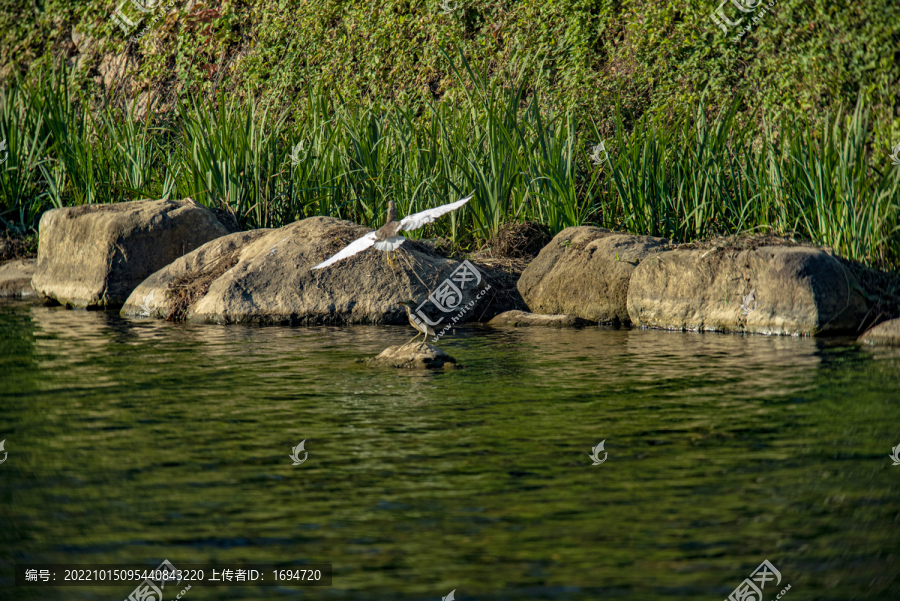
<point x="802" y="56"/>
<point x="682" y="176"/>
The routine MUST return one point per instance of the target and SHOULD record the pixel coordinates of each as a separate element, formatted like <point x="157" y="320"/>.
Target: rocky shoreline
<point x="176" y="260"/>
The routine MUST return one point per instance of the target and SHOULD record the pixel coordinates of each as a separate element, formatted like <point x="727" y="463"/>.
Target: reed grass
<point x="682" y="176"/>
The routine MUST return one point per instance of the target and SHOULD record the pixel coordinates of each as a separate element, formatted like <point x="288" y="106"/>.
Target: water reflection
<point x="140" y="440"/>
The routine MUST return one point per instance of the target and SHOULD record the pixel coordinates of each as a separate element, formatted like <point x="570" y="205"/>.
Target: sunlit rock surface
<point x="93" y="256"/>
<point x="768" y="290"/>
<point x="15" y="278"/>
<point x="584" y="272"/>
<point x="264" y="276"/>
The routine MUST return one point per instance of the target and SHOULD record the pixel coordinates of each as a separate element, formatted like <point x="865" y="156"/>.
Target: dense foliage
<point x="284" y="109"/>
<point x="683" y="176"/>
<point x="802" y="57"/>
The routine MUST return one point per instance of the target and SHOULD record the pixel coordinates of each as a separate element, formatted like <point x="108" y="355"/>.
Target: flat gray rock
<point x="413" y="356"/>
<point x="584" y="272"/>
<point x="522" y="318"/>
<point x="15" y="278"/>
<point x="770" y="290"/>
<point x="94" y="256"/>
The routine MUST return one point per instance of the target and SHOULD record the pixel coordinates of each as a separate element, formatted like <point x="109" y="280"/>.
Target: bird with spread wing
<point x="387" y="238"/>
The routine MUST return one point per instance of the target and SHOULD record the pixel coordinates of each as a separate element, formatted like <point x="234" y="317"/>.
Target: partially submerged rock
<point x="15" y="278"/>
<point x="93" y="256"/>
<point x="264" y="276"/>
<point x="584" y="272"/>
<point x="522" y="318"/>
<point x="884" y="334"/>
<point x="413" y="356"/>
<point x="767" y="290"/>
<point x="174" y="289"/>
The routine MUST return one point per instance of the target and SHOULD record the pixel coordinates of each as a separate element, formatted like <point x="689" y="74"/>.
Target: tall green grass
<point x="678" y="176"/>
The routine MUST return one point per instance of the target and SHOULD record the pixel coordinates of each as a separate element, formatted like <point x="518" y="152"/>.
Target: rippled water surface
<point x="135" y="440"/>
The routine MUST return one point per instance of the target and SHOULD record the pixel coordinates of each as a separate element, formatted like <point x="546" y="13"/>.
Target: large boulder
<point x="93" y="256"/>
<point x="767" y="290"/>
<point x="884" y="334"/>
<point x="264" y="276"/>
<point x="15" y="278"/>
<point x="584" y="272"/>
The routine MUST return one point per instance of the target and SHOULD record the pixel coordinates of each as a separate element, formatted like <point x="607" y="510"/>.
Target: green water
<point x="136" y="441"/>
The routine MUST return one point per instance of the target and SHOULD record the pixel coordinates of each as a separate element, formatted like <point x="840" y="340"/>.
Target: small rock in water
<point x="521" y="318"/>
<point x="413" y="356"/>
<point x="884" y="334"/>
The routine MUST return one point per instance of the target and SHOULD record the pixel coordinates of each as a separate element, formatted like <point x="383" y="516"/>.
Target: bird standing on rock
<point x="422" y="327"/>
<point x="386" y="238"/>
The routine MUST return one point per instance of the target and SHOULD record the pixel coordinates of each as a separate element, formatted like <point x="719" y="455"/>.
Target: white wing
<point x="417" y="220"/>
<point x="357" y="246"/>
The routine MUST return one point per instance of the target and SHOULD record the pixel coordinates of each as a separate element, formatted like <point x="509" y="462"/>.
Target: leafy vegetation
<point x="804" y="56"/>
<point x="682" y="176"/>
